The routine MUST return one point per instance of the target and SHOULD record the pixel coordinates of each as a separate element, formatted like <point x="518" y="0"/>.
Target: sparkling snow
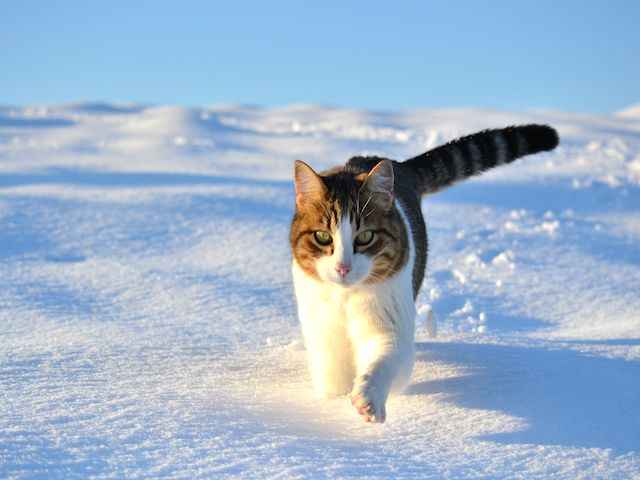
<point x="148" y="325"/>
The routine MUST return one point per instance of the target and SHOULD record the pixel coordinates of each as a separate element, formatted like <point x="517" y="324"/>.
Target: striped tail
<point x="473" y="154"/>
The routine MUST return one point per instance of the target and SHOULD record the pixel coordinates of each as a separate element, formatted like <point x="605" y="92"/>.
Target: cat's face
<point x="346" y="230"/>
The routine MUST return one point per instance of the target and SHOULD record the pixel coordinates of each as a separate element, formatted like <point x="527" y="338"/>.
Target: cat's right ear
<point x="309" y="185"/>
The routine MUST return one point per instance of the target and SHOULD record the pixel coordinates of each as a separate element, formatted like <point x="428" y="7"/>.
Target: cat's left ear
<point x="309" y="185"/>
<point x="379" y="181"/>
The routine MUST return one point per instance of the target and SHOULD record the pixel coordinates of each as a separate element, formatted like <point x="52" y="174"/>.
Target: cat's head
<point x="346" y="230"/>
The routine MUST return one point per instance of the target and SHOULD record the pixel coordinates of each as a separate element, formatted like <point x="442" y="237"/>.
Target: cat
<point x="359" y="248"/>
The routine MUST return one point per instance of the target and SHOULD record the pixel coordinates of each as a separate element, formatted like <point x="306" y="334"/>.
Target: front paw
<point x="368" y="400"/>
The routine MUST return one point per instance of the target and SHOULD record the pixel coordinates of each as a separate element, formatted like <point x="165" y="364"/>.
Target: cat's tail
<point x="473" y="154"/>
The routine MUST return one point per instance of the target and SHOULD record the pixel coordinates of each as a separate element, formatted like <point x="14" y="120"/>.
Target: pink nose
<point x="343" y="269"/>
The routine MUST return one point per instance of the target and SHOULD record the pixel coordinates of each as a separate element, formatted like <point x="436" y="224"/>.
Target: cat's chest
<point x="321" y="303"/>
<point x="324" y="301"/>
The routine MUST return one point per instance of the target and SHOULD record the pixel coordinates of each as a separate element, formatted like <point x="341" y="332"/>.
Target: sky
<point x="581" y="56"/>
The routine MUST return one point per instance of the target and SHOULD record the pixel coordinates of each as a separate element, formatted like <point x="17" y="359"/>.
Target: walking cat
<point x="359" y="247"/>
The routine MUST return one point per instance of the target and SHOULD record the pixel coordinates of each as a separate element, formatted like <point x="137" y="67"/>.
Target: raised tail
<point x="473" y="154"/>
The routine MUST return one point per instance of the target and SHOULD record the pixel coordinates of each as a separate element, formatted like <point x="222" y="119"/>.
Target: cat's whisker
<point x="365" y="205"/>
<point x="373" y="209"/>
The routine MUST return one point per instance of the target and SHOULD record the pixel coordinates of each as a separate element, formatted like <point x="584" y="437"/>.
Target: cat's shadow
<point x="565" y="397"/>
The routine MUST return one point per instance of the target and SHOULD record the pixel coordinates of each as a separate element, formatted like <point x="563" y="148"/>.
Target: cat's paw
<point x="368" y="401"/>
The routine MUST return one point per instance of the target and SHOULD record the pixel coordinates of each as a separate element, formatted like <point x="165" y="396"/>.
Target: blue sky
<point x="512" y="55"/>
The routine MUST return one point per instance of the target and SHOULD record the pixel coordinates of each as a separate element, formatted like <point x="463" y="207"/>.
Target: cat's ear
<point x="379" y="181"/>
<point x="309" y="185"/>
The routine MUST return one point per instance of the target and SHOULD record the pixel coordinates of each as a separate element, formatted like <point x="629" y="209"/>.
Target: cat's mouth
<point x="346" y="281"/>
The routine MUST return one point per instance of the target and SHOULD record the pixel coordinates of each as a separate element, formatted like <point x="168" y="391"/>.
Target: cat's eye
<point x="364" y="238"/>
<point x="323" y="238"/>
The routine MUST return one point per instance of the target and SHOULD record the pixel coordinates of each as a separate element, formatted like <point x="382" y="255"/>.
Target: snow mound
<point x="630" y="112"/>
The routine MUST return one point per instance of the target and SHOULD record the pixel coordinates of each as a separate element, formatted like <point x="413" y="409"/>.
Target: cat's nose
<point x="343" y="269"/>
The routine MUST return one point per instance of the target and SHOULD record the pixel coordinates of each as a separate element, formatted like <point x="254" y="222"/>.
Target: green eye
<point x="364" y="238"/>
<point x="323" y="238"/>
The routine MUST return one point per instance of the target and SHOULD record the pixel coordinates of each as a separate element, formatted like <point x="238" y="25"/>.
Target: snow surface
<point x="148" y="325"/>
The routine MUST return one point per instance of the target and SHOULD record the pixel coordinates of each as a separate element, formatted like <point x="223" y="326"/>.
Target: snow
<point x="148" y="325"/>
<point x="632" y="111"/>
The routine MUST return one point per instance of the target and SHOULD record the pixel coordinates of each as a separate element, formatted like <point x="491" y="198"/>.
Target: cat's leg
<point x="381" y="329"/>
<point x="329" y="353"/>
<point x="330" y="361"/>
<point x="383" y="362"/>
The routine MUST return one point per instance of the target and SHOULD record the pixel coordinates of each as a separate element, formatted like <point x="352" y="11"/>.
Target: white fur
<point x="359" y="338"/>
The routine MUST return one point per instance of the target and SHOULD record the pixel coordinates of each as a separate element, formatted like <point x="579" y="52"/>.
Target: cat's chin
<point x="344" y="282"/>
